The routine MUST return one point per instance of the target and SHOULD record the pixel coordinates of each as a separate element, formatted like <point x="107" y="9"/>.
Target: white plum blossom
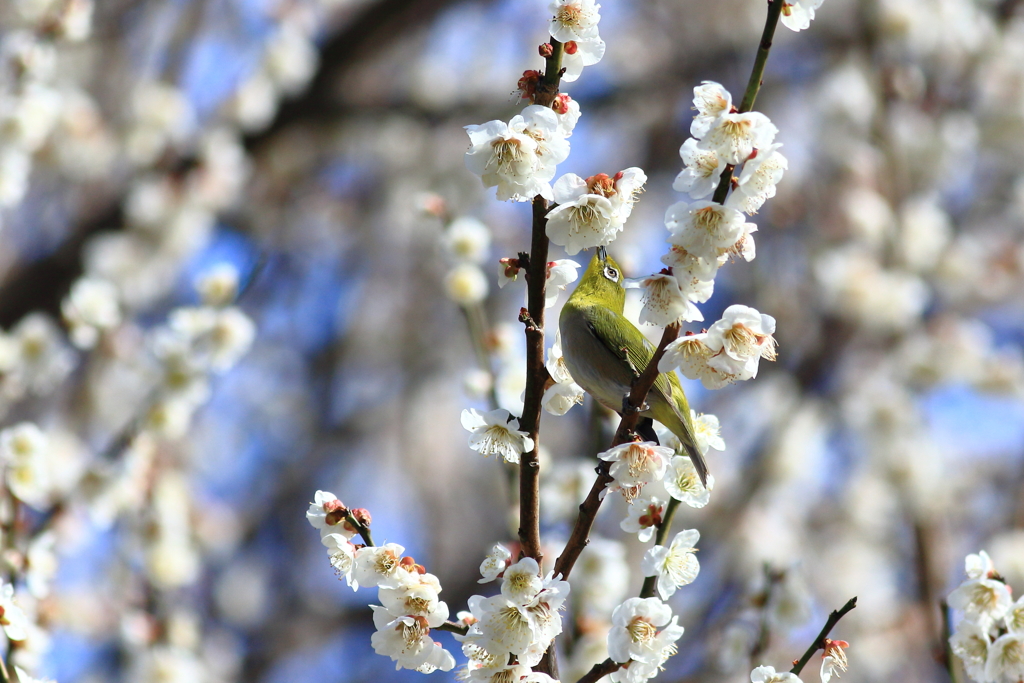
<point x="89" y="309"/>
<point x="705" y="229"/>
<point x="407" y="642"/>
<point x="833" y="659"/>
<point x="971" y="644"/>
<point x="573" y="20"/>
<point x="381" y="566"/>
<point x="496" y="433"/>
<point x="1014" y="619"/>
<point x="982" y="600"/>
<point x="683" y="483"/>
<point x="342" y="555"/>
<point x="417" y="598"/>
<point x="644" y="517"/>
<point x="560" y="273"/>
<point x="797" y="15"/>
<point x="495" y="562"/>
<point x="220" y="337"/>
<point x="1006" y="658"/>
<point x="711" y="100"/>
<point x="13" y="619"/>
<point x="568" y="112"/>
<point x="706" y="432"/>
<point x="675" y="565"/>
<point x="767" y="674"/>
<point x="756" y="183"/>
<point x="518" y="157"/>
<point x="739" y="340"/>
<point x="564" y="393"/>
<point x="702" y="170"/>
<point x="218" y="286"/>
<point x="979" y="566"/>
<point x="691" y="355"/>
<point x="522" y="582"/>
<point x="582" y="219"/>
<point x="328" y="515"/>
<point x="501" y="626"/>
<point x="580" y="53"/>
<point x="592" y="211"/>
<point x="24" y="451"/>
<point x="667" y="301"/>
<point x="466" y="284"/>
<point x="637" y="464"/>
<point x="735" y="136"/>
<point x="467" y="239"/>
<point x="634" y="634"/>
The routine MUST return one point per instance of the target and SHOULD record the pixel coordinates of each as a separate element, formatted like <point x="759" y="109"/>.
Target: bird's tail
<point x="681" y="425"/>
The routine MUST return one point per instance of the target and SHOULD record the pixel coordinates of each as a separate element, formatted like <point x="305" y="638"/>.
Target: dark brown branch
<point x="600" y="670"/>
<point x="819" y="642"/>
<point x="580" y="535"/>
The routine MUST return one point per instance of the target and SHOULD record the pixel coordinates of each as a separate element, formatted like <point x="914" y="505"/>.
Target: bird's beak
<point x="602" y="254"/>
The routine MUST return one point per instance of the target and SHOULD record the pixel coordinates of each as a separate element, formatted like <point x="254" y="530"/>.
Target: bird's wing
<point x="626" y="343"/>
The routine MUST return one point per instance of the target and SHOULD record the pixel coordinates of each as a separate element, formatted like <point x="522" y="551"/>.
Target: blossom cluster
<point x="989" y="639"/>
<point x="408" y="594"/>
<point x="509" y="632"/>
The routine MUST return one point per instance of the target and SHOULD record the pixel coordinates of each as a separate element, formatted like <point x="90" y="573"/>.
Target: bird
<point x="605" y="353"/>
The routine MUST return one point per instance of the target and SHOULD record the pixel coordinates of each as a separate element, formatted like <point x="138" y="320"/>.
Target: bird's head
<point x="602" y="283"/>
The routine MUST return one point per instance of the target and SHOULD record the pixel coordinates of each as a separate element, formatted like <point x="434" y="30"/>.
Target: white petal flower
<point x="466" y="284"/>
<point x="664" y="301"/>
<point x="522" y="582"/>
<point x="706" y="432"/>
<point x="14" y="621"/>
<point x="634" y="633"/>
<point x="381" y="566"/>
<point x="580" y="53"/>
<point x="328" y="514"/>
<point x="702" y="170"/>
<point x="573" y="20"/>
<point x="493" y="433"/>
<point x="582" y="219"/>
<point x="502" y="627"/>
<point x="467" y="239"/>
<point x="343" y="557"/>
<point x="644" y="517"/>
<point x="559" y="398"/>
<point x="833" y="659"/>
<point x="710" y="100"/>
<point x="628" y="184"/>
<point x="691" y="354"/>
<point x="797" y="15"/>
<point x="971" y="644"/>
<point x="405" y="640"/>
<point x="495" y="562"/>
<point x="25" y="451"/>
<point x="1014" y="619"/>
<point x="686" y="265"/>
<point x="704" y="229"/>
<point x="90" y="308"/>
<point x="636" y="464"/>
<point x="218" y="286"/>
<point x="1006" y="658"/>
<point x="568" y="112"/>
<point x="767" y="674"/>
<point x="756" y="183"/>
<point x="978" y="566"/>
<point x="739" y="340"/>
<point x="683" y="483"/>
<point x="734" y="137"/>
<point x="417" y="598"/>
<point x="675" y="565"/>
<point x="559" y="274"/>
<point x="982" y="600"/>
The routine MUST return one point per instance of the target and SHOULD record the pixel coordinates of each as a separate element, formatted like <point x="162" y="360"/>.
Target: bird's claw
<point x="627" y="407"/>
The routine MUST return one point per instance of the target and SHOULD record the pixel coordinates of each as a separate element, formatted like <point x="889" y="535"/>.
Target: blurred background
<point x="308" y="156"/>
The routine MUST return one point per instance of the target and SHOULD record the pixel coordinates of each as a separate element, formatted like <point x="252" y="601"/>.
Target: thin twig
<point x="452" y="627"/>
<point x="599" y="671"/>
<point x="361" y="529"/>
<point x="819" y="642"/>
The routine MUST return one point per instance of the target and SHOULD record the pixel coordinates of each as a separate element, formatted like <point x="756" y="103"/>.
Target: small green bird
<point x="605" y="353"/>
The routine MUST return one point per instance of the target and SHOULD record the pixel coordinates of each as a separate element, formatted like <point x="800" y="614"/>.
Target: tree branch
<point x="819" y="642"/>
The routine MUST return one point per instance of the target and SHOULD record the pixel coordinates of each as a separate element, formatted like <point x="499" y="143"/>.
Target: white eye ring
<point x="611" y="273"/>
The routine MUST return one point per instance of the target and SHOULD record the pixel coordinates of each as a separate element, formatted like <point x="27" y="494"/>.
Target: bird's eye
<point x="611" y="274"/>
